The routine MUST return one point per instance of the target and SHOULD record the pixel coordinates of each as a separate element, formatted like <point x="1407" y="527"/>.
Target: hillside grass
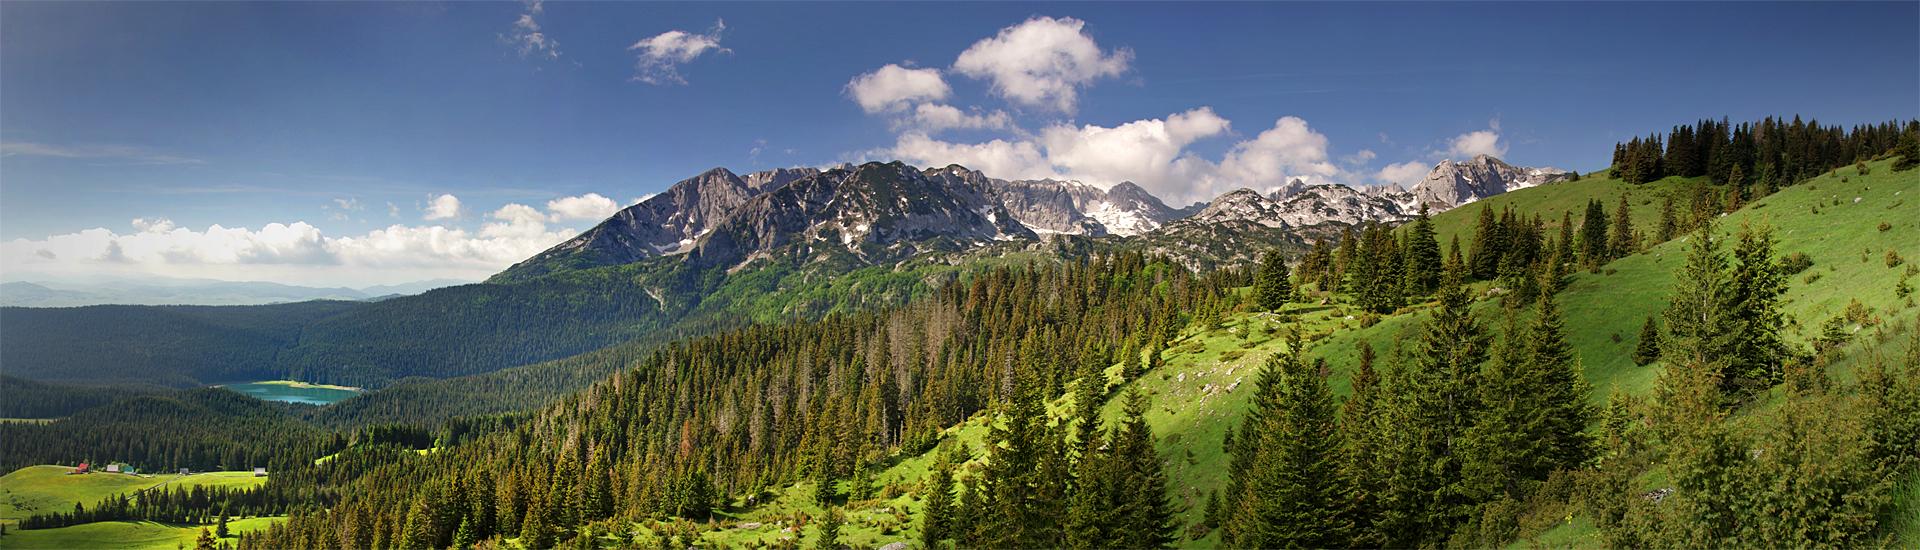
<point x="134" y="535"/>
<point x="43" y="489"/>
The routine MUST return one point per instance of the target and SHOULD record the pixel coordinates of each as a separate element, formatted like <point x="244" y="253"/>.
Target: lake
<point x="289" y="391"/>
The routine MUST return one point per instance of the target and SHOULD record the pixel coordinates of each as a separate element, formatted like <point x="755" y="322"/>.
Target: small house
<point x="259" y="472"/>
<point x="113" y="468"/>
<point x="84" y="468"/>
<point x="185" y="472"/>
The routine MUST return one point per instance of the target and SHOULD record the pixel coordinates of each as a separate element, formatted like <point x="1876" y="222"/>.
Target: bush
<point x="1884" y="226"/>
<point x="1861" y="167"/>
<point x="1795" y="263"/>
<point x="1894" y="259"/>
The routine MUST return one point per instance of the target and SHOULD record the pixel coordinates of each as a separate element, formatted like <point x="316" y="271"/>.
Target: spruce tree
<point x="1423" y="260"/>
<point x="1362" y="437"/>
<point x="830" y="530"/>
<point x="1669" y="219"/>
<point x="535" y="532"/>
<point x="1434" y="402"/>
<point x="1293" y="495"/>
<point x="1593" y="235"/>
<point x="1487" y="247"/>
<point x="1506" y="444"/>
<point x="1758" y="282"/>
<point x="1648" y="349"/>
<point x="1621" y="240"/>
<point x="1699" y="317"/>
<point x="220" y="528"/>
<point x="1560" y="387"/>
<point x="936" y="522"/>
<point x="1143" y="516"/>
<point x="466" y="536"/>
<point x="205" y="541"/>
<point x="1271" y="284"/>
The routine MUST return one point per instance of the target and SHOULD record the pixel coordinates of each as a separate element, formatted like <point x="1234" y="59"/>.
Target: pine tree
<point x="1434" y="401"/>
<point x="1621" y="240"/>
<point x="220" y="529"/>
<point x="1422" y="261"/>
<point x="1699" y="318"/>
<point x="1909" y="148"/>
<point x="1022" y="503"/>
<point x="205" y="541"/>
<point x="1648" y="350"/>
<point x="1487" y="247"/>
<point x="1143" y="516"/>
<point x="1090" y="511"/>
<point x="1271" y="284"/>
<point x="830" y="530"/>
<point x="535" y="533"/>
<point x="936" y="522"/>
<point x="1669" y="219"/>
<point x="1293" y="495"/>
<point x="1758" y="354"/>
<point x="1593" y="235"/>
<point x="1360" y="432"/>
<point x="1560" y="387"/>
<point x="466" y="536"/>
<point x="1505" y="445"/>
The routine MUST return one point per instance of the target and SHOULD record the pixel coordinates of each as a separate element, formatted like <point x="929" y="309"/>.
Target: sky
<point x="375" y="143"/>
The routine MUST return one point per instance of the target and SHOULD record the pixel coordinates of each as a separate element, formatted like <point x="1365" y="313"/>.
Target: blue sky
<point x="320" y="137"/>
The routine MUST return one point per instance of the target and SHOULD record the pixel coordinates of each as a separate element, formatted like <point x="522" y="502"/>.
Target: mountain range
<point x="876" y="213"/>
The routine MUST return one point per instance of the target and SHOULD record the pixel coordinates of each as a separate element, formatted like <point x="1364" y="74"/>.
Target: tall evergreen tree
<point x="1143" y="516"/>
<point x="937" y="520"/>
<point x="1488" y="246"/>
<point x="1759" y="354"/>
<point x="1362" y="437"/>
<point x="1422" y="262"/>
<point x="1669" y="219"/>
<point x="1647" y="350"/>
<point x="1699" y="317"/>
<point x="1435" y="400"/>
<point x="1271" y="284"/>
<point x="1593" y="235"/>
<point x="1621" y="240"/>
<point x="1293" y="495"/>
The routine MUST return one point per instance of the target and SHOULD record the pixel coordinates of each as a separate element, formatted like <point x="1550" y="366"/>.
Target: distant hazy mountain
<point x="206" y="292"/>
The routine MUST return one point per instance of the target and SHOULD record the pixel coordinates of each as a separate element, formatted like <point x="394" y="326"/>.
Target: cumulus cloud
<point x="1404" y="174"/>
<point x="933" y="117"/>
<point x="1289" y="150"/>
<point x="588" y="207"/>
<point x="525" y="35"/>
<point x="1154" y="153"/>
<point x="999" y="158"/>
<point x="1148" y="152"/>
<point x="442" y="207"/>
<point x="661" y="55"/>
<point x="122" y="153"/>
<point x="892" y="88"/>
<point x="297" y="252"/>
<point x="1042" y="62"/>
<point x="1480" y="142"/>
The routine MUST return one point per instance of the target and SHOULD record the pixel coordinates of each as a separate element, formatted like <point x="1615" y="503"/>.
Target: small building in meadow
<point x="113" y="468"/>
<point x="186" y="472"/>
<point x="259" y="472"/>
<point x="83" y="468"/>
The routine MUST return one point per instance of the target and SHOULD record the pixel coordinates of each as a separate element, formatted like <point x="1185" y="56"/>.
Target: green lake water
<point x="281" y="391"/>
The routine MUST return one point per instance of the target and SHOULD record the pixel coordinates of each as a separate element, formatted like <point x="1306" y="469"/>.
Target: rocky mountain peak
<point x="1451" y="184"/>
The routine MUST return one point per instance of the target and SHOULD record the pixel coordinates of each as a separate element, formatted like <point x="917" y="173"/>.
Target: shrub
<point x="1884" y="226"/>
<point x="1795" y="263"/>
<point x="1894" y="259"/>
<point x="1861" y="167"/>
<point x="1811" y="277"/>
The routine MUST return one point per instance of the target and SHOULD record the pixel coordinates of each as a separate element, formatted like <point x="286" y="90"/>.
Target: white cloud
<point x="123" y="153"/>
<point x="295" y="253"/>
<point x="1042" y="62"/>
<point x="1288" y="151"/>
<point x="892" y="88"/>
<point x="1361" y="157"/>
<point x="588" y="207"/>
<point x="998" y="158"/>
<point x="1405" y="174"/>
<point x="933" y="117"/>
<point x="1147" y="152"/>
<point x="1480" y="142"/>
<point x="442" y="207"/>
<point x="350" y="204"/>
<point x="526" y="37"/>
<point x="661" y="55"/>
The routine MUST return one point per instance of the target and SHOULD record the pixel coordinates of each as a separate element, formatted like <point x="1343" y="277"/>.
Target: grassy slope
<point x="41" y="489"/>
<point x="125" y="534"/>
<point x="1191" y="417"/>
